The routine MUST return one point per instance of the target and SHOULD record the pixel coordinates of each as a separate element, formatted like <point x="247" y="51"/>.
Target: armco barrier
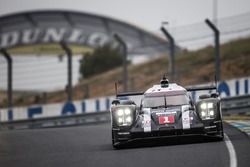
<point x="59" y="121"/>
<point x="239" y="105"/>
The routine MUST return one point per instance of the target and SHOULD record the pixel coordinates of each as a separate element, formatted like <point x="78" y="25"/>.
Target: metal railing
<point x="238" y="105"/>
<point x="58" y="121"/>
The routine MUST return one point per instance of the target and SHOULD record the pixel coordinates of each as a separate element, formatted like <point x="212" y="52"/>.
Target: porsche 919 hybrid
<point x="165" y="110"/>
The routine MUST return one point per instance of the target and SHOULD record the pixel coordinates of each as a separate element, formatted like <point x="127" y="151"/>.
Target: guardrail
<point x="59" y="121"/>
<point x="239" y="105"/>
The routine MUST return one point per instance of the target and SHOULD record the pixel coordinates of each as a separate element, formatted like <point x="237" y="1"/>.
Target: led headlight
<point x="127" y="111"/>
<point x="203" y="113"/>
<point x="206" y="110"/>
<point x="120" y="120"/>
<point x="120" y="112"/>
<point x="211" y="113"/>
<point x="203" y="106"/>
<point x="209" y="105"/>
<point x="124" y="116"/>
<point x="128" y="119"/>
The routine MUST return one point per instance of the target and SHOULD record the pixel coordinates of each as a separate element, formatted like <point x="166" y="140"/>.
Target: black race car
<point x="165" y="110"/>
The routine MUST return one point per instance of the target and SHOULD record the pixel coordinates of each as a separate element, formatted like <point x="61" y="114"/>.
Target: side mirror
<point x="115" y="102"/>
<point x="215" y="95"/>
<point x="191" y="108"/>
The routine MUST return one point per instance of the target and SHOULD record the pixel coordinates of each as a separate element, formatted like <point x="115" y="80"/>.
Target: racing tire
<point x="222" y="132"/>
<point x="221" y="135"/>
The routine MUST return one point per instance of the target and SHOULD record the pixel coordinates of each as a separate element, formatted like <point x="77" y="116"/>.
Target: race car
<point x="165" y="110"/>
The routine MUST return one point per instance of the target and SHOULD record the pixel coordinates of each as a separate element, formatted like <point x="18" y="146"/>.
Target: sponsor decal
<point x="166" y="119"/>
<point x="164" y="113"/>
<point x="185" y="117"/>
<point x="146" y="120"/>
<point x="52" y="35"/>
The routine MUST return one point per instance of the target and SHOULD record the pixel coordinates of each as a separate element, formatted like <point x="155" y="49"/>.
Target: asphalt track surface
<point x="90" y="145"/>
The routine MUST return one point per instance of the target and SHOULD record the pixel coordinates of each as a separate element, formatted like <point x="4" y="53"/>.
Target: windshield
<point x="161" y="101"/>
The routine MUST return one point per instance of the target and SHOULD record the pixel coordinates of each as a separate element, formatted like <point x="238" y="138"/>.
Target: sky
<point x="148" y="14"/>
<point x="145" y="13"/>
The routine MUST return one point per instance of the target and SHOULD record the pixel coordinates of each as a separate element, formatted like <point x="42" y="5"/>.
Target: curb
<point x="242" y="125"/>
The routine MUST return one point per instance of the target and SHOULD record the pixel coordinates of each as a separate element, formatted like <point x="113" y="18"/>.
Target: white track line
<point x="231" y="150"/>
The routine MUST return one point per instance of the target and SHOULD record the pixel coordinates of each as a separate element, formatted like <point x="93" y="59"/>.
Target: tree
<point x="103" y="58"/>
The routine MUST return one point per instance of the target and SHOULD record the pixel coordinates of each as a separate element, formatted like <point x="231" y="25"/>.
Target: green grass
<point x="192" y="67"/>
<point x="236" y="117"/>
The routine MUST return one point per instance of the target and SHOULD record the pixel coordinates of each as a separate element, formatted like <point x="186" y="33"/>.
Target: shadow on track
<point x="171" y="141"/>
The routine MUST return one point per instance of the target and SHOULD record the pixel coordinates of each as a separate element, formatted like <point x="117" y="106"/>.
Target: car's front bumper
<point x="207" y="129"/>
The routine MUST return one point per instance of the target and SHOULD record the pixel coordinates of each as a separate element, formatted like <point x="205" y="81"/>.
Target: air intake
<point x="164" y="82"/>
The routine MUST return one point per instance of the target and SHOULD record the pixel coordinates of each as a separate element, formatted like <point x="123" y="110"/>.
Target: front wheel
<point x="115" y="143"/>
<point x="221" y="133"/>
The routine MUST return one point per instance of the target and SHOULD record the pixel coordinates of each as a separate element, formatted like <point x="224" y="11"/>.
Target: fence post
<point x="69" y="55"/>
<point x="172" y="52"/>
<point x="7" y="56"/>
<point x="125" y="64"/>
<point x="217" y="47"/>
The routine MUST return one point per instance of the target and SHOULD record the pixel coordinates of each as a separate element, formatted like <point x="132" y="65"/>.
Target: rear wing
<point x="190" y="89"/>
<point x="129" y="94"/>
<point x="201" y="88"/>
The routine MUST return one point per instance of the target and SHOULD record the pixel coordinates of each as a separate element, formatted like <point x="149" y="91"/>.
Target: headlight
<point x="203" y="106"/>
<point x="209" y="105"/>
<point x="120" y="120"/>
<point x="203" y="114"/>
<point x="207" y="110"/>
<point x="120" y="112"/>
<point x="211" y="113"/>
<point x="127" y="111"/>
<point x="128" y="119"/>
<point x="124" y="116"/>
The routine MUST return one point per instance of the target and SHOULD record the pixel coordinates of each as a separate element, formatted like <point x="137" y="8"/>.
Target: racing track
<point x="90" y="145"/>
